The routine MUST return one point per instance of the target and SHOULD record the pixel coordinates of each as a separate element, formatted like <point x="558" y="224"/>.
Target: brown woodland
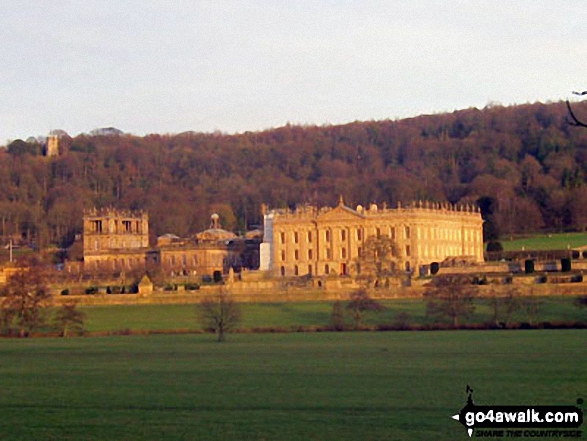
<point x="524" y="165"/>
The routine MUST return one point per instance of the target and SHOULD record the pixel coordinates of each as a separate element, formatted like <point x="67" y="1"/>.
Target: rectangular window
<point x="283" y="255"/>
<point x="343" y="235"/>
<point x="296" y="237"/>
<point x="392" y="232"/>
<point x="282" y="237"/>
<point x="328" y="253"/>
<point x="343" y="253"/>
<point x="359" y="234"/>
<point x="407" y="232"/>
<point x="407" y="250"/>
<point x="310" y="254"/>
<point x="309" y="236"/>
<point x="97" y="226"/>
<point x="327" y="233"/>
<point x="296" y="254"/>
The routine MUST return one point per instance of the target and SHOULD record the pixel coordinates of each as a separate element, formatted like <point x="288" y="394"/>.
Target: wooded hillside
<point x="524" y="165"/>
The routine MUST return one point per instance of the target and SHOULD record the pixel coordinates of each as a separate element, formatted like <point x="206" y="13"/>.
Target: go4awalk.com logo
<point x="520" y="421"/>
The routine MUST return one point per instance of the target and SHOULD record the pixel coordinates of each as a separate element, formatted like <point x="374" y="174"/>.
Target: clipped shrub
<point x="434" y="268"/>
<point x="565" y="265"/>
<point x="494" y="246"/>
<point x="529" y="266"/>
<point x="115" y="289"/>
<point x="65" y="292"/>
<point x="577" y="278"/>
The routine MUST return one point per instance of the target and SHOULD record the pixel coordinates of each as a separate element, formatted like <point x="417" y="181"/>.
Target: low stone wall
<point x="279" y="293"/>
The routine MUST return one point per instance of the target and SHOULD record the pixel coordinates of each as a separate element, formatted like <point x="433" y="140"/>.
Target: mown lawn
<point x="290" y="315"/>
<point x="309" y="386"/>
<point x="555" y="241"/>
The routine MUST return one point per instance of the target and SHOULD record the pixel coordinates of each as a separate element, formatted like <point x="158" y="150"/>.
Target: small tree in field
<point x="69" y="319"/>
<point x="220" y="313"/>
<point x="337" y="321"/>
<point x="361" y="303"/>
<point x="531" y="306"/>
<point x="378" y="259"/>
<point x="449" y="298"/>
<point x="581" y="302"/>
<point x="505" y="306"/>
<point x="25" y="299"/>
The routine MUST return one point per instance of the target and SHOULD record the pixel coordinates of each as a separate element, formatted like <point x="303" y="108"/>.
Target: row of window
<point x="343" y="254"/>
<point x="114" y="243"/>
<point x="119" y="263"/>
<point x="359" y="234"/>
<point x="183" y="259"/>
<point x="126" y="226"/>
<point x="434" y="233"/>
<point x="297" y="270"/>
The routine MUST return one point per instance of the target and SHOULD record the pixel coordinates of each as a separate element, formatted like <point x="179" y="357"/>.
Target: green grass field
<point x="290" y="315"/>
<point x="317" y="386"/>
<point x="555" y="241"/>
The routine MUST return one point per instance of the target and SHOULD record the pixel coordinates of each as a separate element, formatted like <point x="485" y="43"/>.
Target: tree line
<point x="524" y="165"/>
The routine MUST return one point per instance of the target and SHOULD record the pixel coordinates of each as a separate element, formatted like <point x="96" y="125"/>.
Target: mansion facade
<point x="330" y="241"/>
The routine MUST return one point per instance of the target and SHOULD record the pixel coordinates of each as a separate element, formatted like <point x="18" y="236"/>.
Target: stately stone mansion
<point x="305" y="241"/>
<point x="330" y="241"/>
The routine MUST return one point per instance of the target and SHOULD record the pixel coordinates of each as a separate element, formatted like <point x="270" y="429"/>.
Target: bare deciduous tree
<point x="69" y="319"/>
<point x="449" y="297"/>
<point x="25" y="298"/>
<point x="504" y="306"/>
<point x="581" y="302"/>
<point x="531" y="305"/>
<point x="361" y="303"/>
<point x="220" y="313"/>
<point x="378" y="258"/>
<point x="337" y="321"/>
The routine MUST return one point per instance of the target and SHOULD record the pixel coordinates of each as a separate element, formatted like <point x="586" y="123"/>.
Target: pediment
<point x="340" y="213"/>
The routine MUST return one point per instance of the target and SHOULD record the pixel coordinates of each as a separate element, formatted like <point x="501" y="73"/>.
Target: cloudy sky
<point x="155" y="66"/>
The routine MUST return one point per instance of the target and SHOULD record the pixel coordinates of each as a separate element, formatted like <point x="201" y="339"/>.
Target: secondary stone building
<point x="118" y="240"/>
<point x="115" y="239"/>
<point x="330" y="241"/>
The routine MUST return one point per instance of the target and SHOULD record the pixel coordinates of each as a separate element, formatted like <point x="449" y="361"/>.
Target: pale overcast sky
<point x="168" y="66"/>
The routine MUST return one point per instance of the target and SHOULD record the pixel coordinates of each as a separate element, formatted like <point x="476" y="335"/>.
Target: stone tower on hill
<point x="52" y="146"/>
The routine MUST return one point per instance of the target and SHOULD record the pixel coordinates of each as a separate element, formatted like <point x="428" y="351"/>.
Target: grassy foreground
<point x="290" y="315"/>
<point x="324" y="386"/>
